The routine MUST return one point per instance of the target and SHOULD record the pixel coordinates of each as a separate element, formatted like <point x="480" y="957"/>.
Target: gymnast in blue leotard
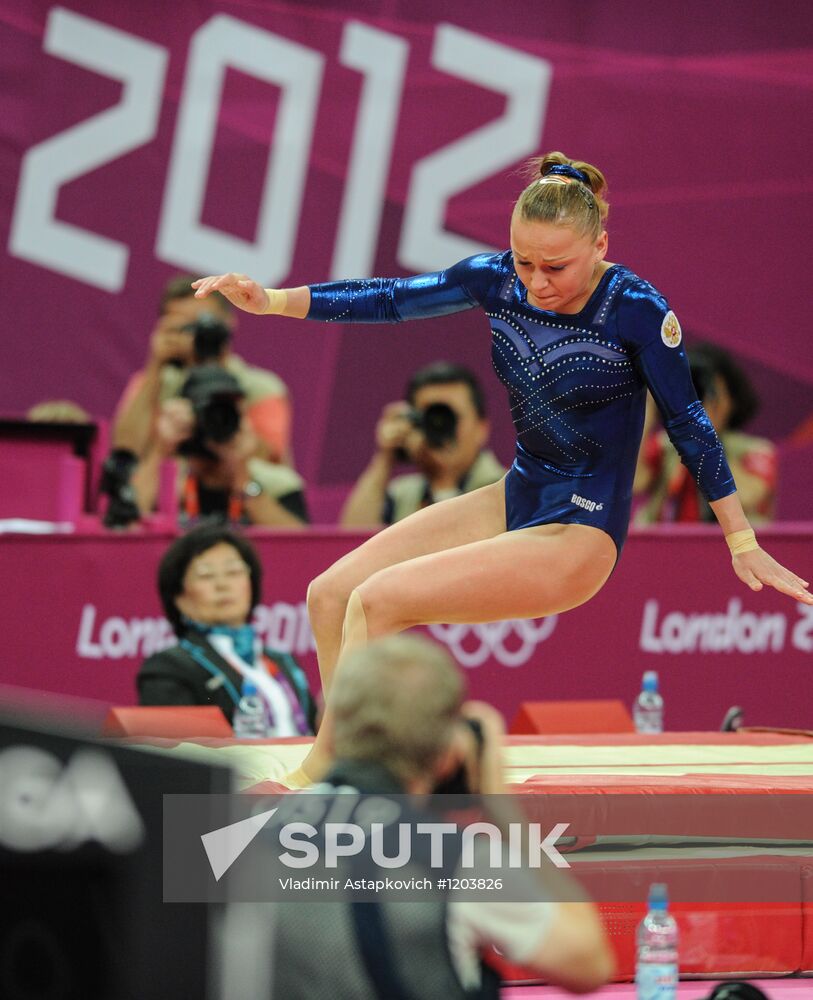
<point x="577" y="341"/>
<point x="576" y="382"/>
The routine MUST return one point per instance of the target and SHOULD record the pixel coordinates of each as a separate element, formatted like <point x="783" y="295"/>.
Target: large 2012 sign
<point x="223" y="42"/>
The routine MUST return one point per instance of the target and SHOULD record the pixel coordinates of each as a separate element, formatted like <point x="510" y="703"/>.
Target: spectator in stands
<point x="170" y="355"/>
<point x="219" y="476"/>
<point x="730" y="401"/>
<point x="210" y="581"/>
<point x="442" y="428"/>
<point x="398" y="727"/>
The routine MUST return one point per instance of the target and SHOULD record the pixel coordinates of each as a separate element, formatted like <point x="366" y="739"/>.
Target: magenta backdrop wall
<point x="298" y="142"/>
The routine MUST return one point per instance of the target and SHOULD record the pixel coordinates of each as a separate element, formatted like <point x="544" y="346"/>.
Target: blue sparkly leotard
<point x="576" y="383"/>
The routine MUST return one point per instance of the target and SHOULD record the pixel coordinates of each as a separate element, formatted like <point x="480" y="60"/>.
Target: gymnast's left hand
<point x="758" y="569"/>
<point x="240" y="290"/>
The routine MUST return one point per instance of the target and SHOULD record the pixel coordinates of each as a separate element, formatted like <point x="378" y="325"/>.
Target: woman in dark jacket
<point x="209" y="581"/>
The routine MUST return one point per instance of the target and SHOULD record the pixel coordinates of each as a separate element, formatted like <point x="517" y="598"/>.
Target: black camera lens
<point x="437" y="423"/>
<point x="215" y="396"/>
<point x="219" y="420"/>
<point x="211" y="336"/>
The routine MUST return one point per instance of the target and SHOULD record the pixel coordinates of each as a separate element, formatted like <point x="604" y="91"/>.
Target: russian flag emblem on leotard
<point x="671" y="333"/>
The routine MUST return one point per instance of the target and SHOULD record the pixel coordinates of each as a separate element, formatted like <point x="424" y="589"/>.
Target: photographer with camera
<point x="730" y="401"/>
<point x="221" y="476"/>
<point x="172" y="352"/>
<point x="442" y="429"/>
<point x="197" y="401"/>
<point x="398" y="726"/>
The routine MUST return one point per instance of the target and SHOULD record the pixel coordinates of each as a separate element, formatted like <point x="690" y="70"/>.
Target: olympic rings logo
<point x="493" y="639"/>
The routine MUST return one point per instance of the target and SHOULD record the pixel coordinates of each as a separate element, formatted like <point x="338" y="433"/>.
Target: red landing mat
<point x="794" y="989"/>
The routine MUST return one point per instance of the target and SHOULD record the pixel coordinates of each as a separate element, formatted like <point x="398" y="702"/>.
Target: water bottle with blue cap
<point x="250" y="719"/>
<point x="647" y="712"/>
<point x="656" y="965"/>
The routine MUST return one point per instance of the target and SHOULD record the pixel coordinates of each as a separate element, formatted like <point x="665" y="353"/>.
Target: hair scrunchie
<point x="565" y="170"/>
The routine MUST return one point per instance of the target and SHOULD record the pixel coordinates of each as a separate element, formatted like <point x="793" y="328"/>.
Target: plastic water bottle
<point x="647" y="712"/>
<point x="250" y="721"/>
<point x="656" y="965"/>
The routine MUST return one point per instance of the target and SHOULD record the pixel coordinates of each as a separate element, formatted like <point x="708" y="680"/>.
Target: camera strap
<point x="191" y="503"/>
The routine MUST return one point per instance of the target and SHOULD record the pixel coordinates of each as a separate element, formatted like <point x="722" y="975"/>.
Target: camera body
<point x="117" y="470"/>
<point x="437" y="423"/>
<point x="215" y="395"/>
<point x="458" y="782"/>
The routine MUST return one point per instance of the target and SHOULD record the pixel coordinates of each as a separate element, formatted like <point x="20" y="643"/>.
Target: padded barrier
<point x="558" y="717"/>
<point x="173" y="721"/>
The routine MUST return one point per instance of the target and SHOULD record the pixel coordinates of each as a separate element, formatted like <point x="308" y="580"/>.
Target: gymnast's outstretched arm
<point x="647" y="323"/>
<point x="251" y="297"/>
<point x="364" y="300"/>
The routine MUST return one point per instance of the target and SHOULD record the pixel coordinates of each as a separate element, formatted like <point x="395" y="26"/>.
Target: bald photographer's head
<point x="397" y="703"/>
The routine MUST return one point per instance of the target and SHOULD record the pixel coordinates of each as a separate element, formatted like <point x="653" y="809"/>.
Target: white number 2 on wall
<point x="36" y="234"/>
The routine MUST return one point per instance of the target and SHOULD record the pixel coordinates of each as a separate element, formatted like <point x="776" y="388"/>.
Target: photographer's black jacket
<point x="384" y="950"/>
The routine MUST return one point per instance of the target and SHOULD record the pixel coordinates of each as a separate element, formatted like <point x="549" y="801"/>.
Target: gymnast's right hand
<point x="240" y="290"/>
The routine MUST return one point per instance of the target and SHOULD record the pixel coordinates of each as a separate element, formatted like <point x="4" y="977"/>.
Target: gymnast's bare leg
<point x="453" y="562"/>
<point x="459" y="521"/>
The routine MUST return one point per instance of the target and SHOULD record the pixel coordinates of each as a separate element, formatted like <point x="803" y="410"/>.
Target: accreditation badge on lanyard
<point x="276" y="672"/>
